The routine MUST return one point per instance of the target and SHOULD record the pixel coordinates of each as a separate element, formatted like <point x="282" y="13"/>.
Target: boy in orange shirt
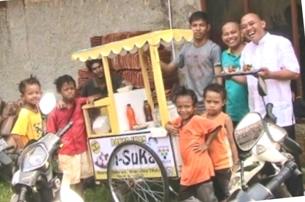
<point x="222" y="150"/>
<point x="197" y="168"/>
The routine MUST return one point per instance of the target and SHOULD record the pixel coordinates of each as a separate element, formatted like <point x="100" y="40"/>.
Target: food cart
<point x="136" y="163"/>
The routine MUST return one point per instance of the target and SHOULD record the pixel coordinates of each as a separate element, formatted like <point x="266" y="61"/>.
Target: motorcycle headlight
<point x="34" y="158"/>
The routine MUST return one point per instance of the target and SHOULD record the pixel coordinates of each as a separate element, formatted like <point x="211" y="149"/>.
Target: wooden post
<point x="145" y="78"/>
<point x="246" y="6"/>
<point x="295" y="40"/>
<point x="158" y="80"/>
<point x="203" y="5"/>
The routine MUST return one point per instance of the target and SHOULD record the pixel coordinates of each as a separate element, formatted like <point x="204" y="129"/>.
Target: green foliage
<point x="99" y="193"/>
<point x="5" y="191"/>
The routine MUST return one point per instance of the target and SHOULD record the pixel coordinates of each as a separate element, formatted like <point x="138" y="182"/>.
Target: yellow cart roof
<point x="134" y="43"/>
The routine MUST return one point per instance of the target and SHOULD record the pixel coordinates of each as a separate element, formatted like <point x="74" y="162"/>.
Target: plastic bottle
<point x="157" y="118"/>
<point x="147" y="111"/>
<point x="172" y="110"/>
<point x="130" y="116"/>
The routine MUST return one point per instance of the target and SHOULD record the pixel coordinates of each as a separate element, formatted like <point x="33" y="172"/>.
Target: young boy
<point x="222" y="147"/>
<point x="193" y="130"/>
<point x="237" y="94"/>
<point x="199" y="61"/>
<point x="74" y="160"/>
<point x="28" y="125"/>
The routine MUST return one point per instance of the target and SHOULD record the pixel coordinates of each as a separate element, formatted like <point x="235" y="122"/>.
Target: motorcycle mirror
<point x="248" y="131"/>
<point x="262" y="87"/>
<point x="47" y="103"/>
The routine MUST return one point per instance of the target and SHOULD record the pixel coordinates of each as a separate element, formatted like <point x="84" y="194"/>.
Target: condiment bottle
<point x="147" y="111"/>
<point x="130" y="116"/>
<point x="156" y="113"/>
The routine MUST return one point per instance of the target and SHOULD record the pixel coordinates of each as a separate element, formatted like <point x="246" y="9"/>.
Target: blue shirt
<point x="237" y="94"/>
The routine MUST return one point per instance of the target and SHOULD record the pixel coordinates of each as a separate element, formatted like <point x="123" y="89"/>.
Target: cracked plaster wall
<point x="38" y="37"/>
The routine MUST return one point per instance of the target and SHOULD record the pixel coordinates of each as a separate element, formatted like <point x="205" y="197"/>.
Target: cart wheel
<point x="136" y="173"/>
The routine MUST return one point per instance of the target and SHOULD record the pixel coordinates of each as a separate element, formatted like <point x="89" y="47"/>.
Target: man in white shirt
<point x="275" y="57"/>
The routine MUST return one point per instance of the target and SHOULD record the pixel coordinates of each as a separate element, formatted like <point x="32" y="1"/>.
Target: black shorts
<point x="203" y="191"/>
<point x="221" y="183"/>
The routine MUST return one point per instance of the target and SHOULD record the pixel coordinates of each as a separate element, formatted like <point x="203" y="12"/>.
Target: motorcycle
<point x="260" y="192"/>
<point x="35" y="179"/>
<point x="264" y="150"/>
<point x="8" y="159"/>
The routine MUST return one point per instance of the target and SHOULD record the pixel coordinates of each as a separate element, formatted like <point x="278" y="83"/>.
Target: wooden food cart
<point x="136" y="163"/>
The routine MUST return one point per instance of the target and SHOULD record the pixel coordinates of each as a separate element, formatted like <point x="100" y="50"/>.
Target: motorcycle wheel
<point x="135" y="186"/>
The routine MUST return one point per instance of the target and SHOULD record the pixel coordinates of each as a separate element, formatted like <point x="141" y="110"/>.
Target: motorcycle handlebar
<point x="65" y="129"/>
<point x="284" y="173"/>
<point x="260" y="192"/>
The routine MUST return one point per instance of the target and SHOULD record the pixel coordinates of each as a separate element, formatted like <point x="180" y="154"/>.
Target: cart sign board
<point x="132" y="159"/>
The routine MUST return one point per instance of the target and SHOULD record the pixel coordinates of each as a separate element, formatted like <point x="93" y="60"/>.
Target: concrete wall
<point x="38" y="37"/>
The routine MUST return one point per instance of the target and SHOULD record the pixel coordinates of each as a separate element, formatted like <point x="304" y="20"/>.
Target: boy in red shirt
<point x="74" y="160"/>
<point x="222" y="150"/>
<point x="193" y="130"/>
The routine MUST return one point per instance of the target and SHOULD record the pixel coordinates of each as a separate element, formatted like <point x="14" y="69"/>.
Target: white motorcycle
<point x="264" y="150"/>
<point x="35" y="180"/>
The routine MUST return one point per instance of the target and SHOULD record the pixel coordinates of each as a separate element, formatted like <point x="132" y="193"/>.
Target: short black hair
<point x="183" y="91"/>
<point x="28" y="81"/>
<point x="214" y="87"/>
<point x="89" y="63"/>
<point x="60" y="81"/>
<point x="199" y="15"/>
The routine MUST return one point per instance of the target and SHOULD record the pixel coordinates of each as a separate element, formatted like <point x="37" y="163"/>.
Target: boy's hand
<point x="60" y="104"/>
<point x="90" y="100"/>
<point x="200" y="147"/>
<point x="172" y="129"/>
<point x="235" y="168"/>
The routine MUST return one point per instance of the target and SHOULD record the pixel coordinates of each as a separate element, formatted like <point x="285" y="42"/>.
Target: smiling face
<point x="200" y="29"/>
<point x="31" y="95"/>
<point x="231" y="35"/>
<point x="185" y="107"/>
<point x="253" y="27"/>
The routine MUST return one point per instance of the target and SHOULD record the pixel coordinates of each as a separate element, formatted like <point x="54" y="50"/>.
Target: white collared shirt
<point x="275" y="53"/>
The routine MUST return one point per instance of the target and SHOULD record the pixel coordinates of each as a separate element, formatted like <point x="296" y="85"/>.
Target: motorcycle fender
<point x="235" y="183"/>
<point x="15" y="178"/>
<point x="267" y="151"/>
<point x="25" y="178"/>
